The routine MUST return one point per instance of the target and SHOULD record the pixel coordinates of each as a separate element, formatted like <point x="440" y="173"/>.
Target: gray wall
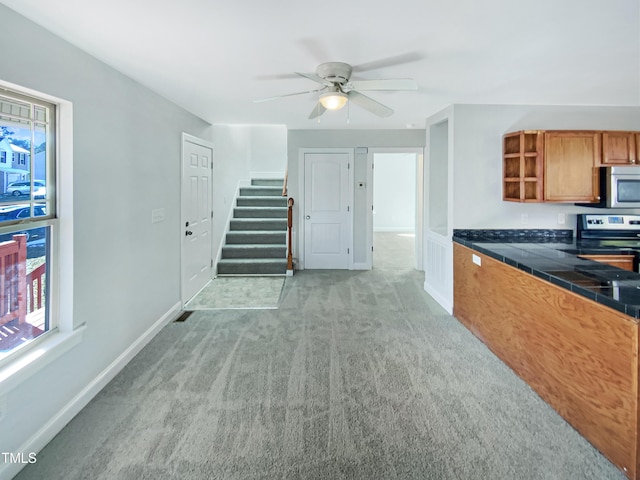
<point x="477" y="164"/>
<point x="127" y="147"/>
<point x="298" y="139"/>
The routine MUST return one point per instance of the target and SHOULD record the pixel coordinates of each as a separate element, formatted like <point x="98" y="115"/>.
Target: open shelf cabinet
<point x="522" y="166"/>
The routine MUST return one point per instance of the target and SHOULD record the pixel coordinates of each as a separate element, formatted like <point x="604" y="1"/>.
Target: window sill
<point x="35" y="359"/>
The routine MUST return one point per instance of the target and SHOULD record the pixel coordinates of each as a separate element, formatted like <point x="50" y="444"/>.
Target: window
<point x="27" y="221"/>
<point x="3" y="157"/>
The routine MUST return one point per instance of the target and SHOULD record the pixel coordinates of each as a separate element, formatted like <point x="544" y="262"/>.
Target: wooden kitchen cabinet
<point x="551" y="166"/>
<point x="619" y="148"/>
<point x="579" y="356"/>
<point x="621" y="261"/>
<point x="522" y="166"/>
<point x="571" y="159"/>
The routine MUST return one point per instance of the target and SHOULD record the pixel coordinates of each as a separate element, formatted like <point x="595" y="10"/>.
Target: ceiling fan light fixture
<point x="333" y="100"/>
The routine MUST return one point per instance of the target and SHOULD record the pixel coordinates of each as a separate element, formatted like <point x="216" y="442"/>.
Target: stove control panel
<point x="610" y="222"/>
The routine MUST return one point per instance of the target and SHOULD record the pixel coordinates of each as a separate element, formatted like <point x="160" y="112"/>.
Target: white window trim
<point x="58" y="342"/>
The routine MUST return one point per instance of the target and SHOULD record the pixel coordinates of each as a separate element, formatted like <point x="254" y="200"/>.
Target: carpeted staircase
<point x="256" y="241"/>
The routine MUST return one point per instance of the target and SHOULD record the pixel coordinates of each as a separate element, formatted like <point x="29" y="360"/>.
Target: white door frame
<point x="419" y="152"/>
<point x="203" y="143"/>
<point x="301" y="183"/>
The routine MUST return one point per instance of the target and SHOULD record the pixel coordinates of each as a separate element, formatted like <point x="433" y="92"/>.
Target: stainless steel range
<point x="610" y="230"/>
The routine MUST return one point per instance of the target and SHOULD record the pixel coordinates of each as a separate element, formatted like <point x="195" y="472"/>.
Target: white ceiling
<point x="215" y="57"/>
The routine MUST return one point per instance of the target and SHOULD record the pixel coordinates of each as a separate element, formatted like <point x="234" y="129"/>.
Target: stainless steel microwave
<point x="619" y="187"/>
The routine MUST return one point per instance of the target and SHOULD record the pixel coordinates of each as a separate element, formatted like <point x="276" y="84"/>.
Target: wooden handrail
<point x="290" y="203"/>
<point x="284" y="184"/>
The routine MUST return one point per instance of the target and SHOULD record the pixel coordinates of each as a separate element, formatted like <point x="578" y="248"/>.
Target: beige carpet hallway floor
<point x="357" y="375"/>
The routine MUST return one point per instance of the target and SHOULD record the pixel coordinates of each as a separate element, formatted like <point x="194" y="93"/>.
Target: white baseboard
<point x="361" y="266"/>
<point x="43" y="436"/>
<point x="445" y="303"/>
<point x="394" y="229"/>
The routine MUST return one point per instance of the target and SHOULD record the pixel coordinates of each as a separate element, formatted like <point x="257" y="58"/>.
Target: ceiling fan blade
<point x="318" y="110"/>
<point x="385" y="84"/>
<point x="288" y="95"/>
<point x="389" y="61"/>
<point x="369" y="104"/>
<point x="315" y="78"/>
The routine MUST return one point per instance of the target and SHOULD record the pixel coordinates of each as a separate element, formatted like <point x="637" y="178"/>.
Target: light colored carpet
<point x="238" y="292"/>
<point x="358" y="375"/>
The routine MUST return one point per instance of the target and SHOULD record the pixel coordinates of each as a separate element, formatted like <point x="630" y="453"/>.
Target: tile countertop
<point x="553" y="256"/>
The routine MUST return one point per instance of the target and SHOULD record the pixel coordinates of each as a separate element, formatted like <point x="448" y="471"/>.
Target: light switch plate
<point x="157" y="215"/>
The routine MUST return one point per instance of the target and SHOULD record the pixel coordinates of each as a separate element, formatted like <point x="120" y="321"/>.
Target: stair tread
<point x="260" y="207"/>
<point x="253" y="260"/>
<point x="254" y="245"/>
<point x="280" y="232"/>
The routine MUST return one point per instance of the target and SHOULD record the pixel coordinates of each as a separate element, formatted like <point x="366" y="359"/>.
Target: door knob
<point x="308" y="217"/>
<point x="188" y="232"/>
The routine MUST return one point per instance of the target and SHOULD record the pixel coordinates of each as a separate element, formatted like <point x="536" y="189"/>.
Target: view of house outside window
<point x="27" y="214"/>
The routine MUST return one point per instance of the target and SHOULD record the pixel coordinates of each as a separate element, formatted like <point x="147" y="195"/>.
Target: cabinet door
<point x="624" y="262"/>
<point x="618" y="148"/>
<point x="570" y="161"/>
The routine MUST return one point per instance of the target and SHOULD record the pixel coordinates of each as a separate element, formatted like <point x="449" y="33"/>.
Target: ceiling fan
<point x="338" y="89"/>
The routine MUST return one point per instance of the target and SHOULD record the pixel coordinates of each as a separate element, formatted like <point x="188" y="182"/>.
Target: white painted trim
<point x="444" y="302"/>
<point x="396" y="229"/>
<point x="361" y="266"/>
<point x="46" y="433"/>
<point x="301" y="193"/>
<point x="206" y="144"/>
<point x="44" y="352"/>
<point x="32" y="358"/>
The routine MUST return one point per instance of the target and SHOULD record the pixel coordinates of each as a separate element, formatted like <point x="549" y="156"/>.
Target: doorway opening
<point x="396" y="207"/>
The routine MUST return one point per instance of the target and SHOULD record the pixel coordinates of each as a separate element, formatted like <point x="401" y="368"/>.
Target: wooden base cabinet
<point x="578" y="355"/>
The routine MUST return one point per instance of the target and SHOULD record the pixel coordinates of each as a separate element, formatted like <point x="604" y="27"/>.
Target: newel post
<point x="290" y="203"/>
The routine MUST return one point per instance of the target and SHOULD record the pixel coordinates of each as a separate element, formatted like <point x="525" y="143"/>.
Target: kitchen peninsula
<point x="568" y="326"/>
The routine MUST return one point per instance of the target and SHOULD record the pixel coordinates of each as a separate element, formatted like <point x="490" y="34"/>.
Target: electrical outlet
<point x="524" y="218"/>
<point x="561" y="219"/>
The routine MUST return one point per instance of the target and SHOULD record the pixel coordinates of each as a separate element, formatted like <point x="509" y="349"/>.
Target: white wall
<point x="268" y="150"/>
<point x="394" y="192"/>
<point x="127" y="144"/>
<point x="477" y="171"/>
<point x="298" y="139"/>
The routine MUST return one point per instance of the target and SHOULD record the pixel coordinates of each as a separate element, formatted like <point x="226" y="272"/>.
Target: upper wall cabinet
<point x="619" y="148"/>
<point x="551" y="166"/>
<point x="522" y="166"/>
<point x="570" y="166"/>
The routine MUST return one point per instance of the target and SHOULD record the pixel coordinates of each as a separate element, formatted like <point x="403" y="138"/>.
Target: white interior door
<point x="327" y="211"/>
<point x="197" y="168"/>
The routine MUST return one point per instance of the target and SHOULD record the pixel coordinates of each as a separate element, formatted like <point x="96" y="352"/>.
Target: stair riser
<point x="261" y="191"/>
<point x="258" y="252"/>
<point x="268" y="182"/>
<point x="259" y="213"/>
<point x="256" y="238"/>
<point x="251" y="269"/>
<point x="274" y="224"/>
<point x="261" y="202"/>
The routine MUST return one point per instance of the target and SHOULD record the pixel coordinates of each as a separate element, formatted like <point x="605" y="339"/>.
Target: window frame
<point x="32" y="358"/>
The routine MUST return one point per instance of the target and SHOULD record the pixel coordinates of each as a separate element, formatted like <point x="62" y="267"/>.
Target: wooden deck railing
<point x="13" y="285"/>
<point x="35" y="288"/>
